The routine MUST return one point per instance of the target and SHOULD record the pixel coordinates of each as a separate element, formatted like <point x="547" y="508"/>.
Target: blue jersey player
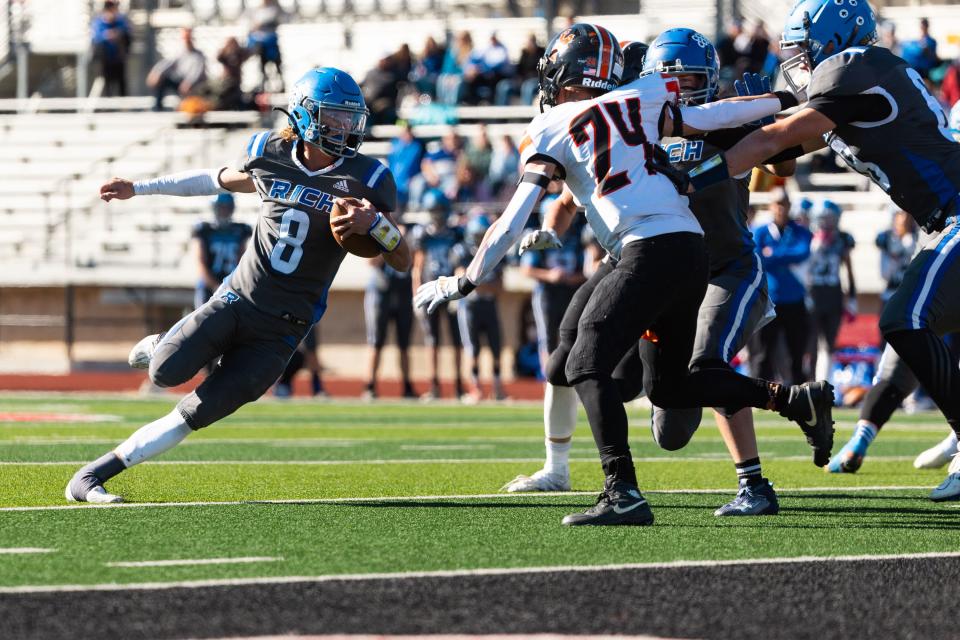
<point x="259" y="315"/>
<point x="219" y="245"/>
<point x="876" y="113"/>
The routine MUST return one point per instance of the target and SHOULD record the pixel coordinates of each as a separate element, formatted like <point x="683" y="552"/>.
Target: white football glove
<point x="434" y="293"/>
<point x="540" y="239"/>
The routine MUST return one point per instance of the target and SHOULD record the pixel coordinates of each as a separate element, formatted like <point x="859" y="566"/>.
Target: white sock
<point x="949" y="444"/>
<point x="559" y="421"/>
<point x="151" y="440"/>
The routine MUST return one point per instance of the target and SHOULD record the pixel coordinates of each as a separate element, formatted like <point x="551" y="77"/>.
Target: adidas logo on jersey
<point x="342" y="186"/>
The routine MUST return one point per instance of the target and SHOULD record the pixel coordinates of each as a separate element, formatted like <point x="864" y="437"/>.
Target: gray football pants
<point x="253" y="348"/>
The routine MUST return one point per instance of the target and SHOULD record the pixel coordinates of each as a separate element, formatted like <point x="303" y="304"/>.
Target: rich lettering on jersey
<point x="685" y="151"/>
<point x="298" y="194"/>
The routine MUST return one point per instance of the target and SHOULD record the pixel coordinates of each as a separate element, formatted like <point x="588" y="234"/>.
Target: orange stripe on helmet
<point x="606" y="52"/>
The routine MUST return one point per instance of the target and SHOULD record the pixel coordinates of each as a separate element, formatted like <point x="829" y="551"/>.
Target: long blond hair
<point x="288" y="134"/>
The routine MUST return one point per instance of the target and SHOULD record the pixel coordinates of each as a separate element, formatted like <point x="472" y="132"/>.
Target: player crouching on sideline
<point x="601" y="141"/>
<point x="876" y="113"/>
<point x="256" y="319"/>
<point x="734" y="307"/>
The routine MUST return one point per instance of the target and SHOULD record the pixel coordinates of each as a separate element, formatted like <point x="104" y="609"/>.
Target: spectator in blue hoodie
<point x="110" y="37"/>
<point x="784" y="245"/>
<point x="406" y="153"/>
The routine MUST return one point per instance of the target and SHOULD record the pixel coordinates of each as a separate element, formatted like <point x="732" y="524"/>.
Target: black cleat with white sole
<point x="619" y="504"/>
<point x="810" y="405"/>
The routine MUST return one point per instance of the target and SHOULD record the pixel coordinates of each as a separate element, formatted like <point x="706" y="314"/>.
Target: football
<point x="359" y="245"/>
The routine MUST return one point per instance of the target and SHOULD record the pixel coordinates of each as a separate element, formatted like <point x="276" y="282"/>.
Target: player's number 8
<point x="288" y="251"/>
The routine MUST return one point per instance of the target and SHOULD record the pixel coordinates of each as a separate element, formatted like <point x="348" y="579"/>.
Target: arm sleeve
<point x="725" y="115"/>
<point x="505" y="231"/>
<point x="204" y="182"/>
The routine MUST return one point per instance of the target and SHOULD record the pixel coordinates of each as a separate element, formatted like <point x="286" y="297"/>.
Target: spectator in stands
<point x="782" y="244"/>
<point x="457" y="56"/>
<point x="471" y="184"/>
<point x="921" y="54"/>
<point x="478" y="151"/>
<point x="526" y="76"/>
<point x="479" y="314"/>
<point x="229" y="91"/>
<point x="264" y="42"/>
<point x="950" y="88"/>
<point x="829" y="250"/>
<point x="388" y="299"/>
<point x="218" y="245"/>
<point x="486" y="67"/>
<point x="757" y="48"/>
<point x="438" y="169"/>
<point x="111" y="37"/>
<point x="381" y="90"/>
<point x="403" y="62"/>
<point x="432" y="245"/>
<point x="727" y="50"/>
<point x="897" y="245"/>
<point x="406" y="154"/>
<point x="888" y="37"/>
<point x="183" y="75"/>
<point x="427" y="69"/>
<point x="450" y="83"/>
<point x="558" y="274"/>
<point x="504" y="165"/>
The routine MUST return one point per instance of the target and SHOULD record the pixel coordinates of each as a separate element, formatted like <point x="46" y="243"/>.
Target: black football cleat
<point x="810" y="405"/>
<point x="619" y="504"/>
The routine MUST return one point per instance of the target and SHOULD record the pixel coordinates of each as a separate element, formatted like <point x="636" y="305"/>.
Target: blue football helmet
<point x="327" y="109"/>
<point x="818" y="29"/>
<point x="223" y="206"/>
<point x="684" y="51"/>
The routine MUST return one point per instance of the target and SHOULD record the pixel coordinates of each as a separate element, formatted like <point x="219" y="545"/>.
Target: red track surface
<point x="131" y="381"/>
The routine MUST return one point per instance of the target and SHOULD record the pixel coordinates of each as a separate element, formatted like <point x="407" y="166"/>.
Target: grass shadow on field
<point x="466" y="504"/>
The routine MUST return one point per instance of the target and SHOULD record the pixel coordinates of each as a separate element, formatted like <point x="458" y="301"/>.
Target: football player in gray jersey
<point x="259" y="315"/>
<point x="875" y="112"/>
<point x="734" y="306"/>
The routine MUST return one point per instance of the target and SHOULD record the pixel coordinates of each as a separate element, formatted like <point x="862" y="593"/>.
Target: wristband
<point x="464" y="285"/>
<point x="385" y="233"/>
<point x="787" y="100"/>
<point x="711" y="171"/>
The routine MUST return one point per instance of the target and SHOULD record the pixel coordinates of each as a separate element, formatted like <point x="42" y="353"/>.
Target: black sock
<point x="371" y="386"/>
<point x="929" y="359"/>
<point x="608" y="422"/>
<point x="881" y="401"/>
<point x="750" y="471"/>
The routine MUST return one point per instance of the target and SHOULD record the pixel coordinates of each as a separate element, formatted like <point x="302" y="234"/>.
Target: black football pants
<point x="658" y="284"/>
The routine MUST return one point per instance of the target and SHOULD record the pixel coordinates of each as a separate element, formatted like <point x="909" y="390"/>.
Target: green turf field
<point x="438" y="469"/>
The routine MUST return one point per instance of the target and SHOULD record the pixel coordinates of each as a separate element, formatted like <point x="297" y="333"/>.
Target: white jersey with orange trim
<point x="604" y="151"/>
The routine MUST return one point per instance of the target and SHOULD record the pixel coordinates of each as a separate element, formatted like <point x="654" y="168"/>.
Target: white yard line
<point x="190" y="563"/>
<point x="672" y="459"/>
<point x="460" y="573"/>
<point x="472" y="496"/>
<point x="18" y="550"/>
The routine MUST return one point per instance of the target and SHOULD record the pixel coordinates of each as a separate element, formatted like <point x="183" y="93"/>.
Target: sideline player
<point x="600" y="141"/>
<point x="734" y="307"/>
<point x="219" y="246"/>
<point x="432" y="252"/>
<point x="876" y="113"/>
<point x="479" y="315"/>
<point x="279" y="290"/>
